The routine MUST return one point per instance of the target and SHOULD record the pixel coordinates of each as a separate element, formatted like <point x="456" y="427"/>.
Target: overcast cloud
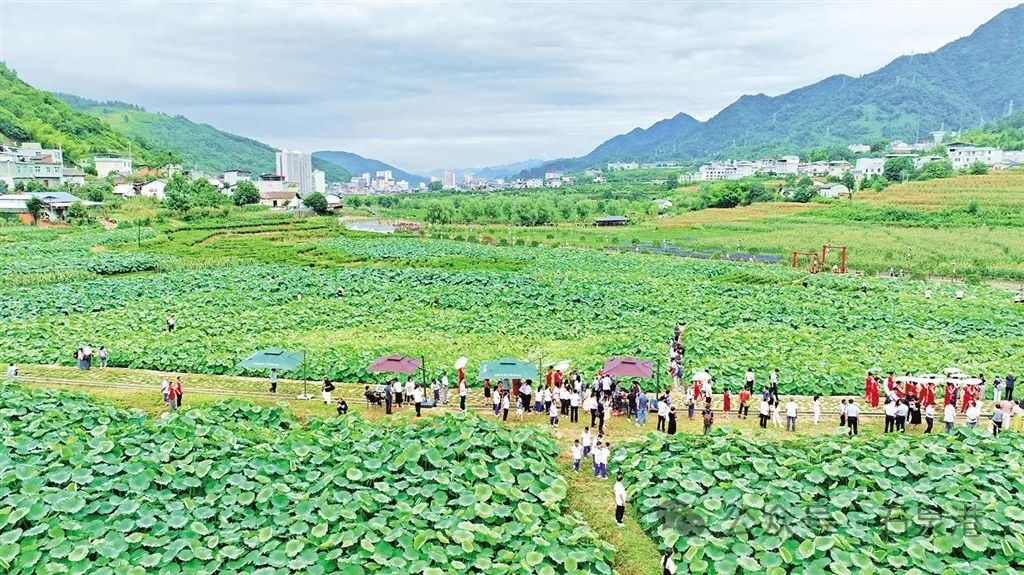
<point x="429" y="85"/>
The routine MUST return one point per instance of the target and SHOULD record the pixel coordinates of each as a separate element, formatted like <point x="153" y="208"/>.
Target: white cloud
<point x="464" y="83"/>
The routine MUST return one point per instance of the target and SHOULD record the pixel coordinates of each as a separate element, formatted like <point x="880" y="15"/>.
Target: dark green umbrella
<point x="507" y="368"/>
<point x="274" y="358"/>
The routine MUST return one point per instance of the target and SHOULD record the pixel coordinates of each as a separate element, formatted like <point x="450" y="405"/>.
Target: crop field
<point x="928" y="504"/>
<point x="440" y="299"/>
<point x="967" y="227"/>
<point x="238" y="488"/>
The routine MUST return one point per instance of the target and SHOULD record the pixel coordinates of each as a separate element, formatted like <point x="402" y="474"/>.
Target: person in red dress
<point x="696" y="390"/>
<point x="891" y="388"/>
<point x="871" y="390"/>
<point x="727" y="401"/>
<point x="549" y="377"/>
<point x="970" y="396"/>
<point x="910" y="389"/>
<point x="558" y="378"/>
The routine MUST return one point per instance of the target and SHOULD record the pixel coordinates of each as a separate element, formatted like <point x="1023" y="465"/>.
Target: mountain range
<point x="958" y="86"/>
<point x="200" y="146"/>
<point x="356" y="164"/>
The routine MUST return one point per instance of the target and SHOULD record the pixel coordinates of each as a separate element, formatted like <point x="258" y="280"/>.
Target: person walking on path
<point x="762" y="414"/>
<point x="505" y="405"/>
<point x="574" y="406"/>
<point x="590" y="404"/>
<point x="444" y="388"/>
<point x="417" y="399"/>
<point x="586" y="441"/>
<point x="726" y="401"/>
<point x="103" y="355"/>
<point x="462" y="394"/>
<point x="1010" y="382"/>
<point x="929" y="417"/>
<point x="519" y="409"/>
<point x="642" y="404"/>
<point x="620" y="501"/>
<point x="172" y="397"/>
<point x="744" y="411"/>
<point x="671" y="421"/>
<point x="902" y="410"/>
<point x="178" y="390"/>
<point x="709" y="418"/>
<point x="816" y="409"/>
<point x="973" y="414"/>
<point x="496" y="403"/>
<point x="326" y="389"/>
<point x="553" y="412"/>
<point x="997" y="418"/>
<point x="663" y="410"/>
<point x="388" y="394"/>
<point x="577" y="455"/>
<point x="12" y="371"/>
<point x="890" y="416"/>
<point x="949" y="416"/>
<point x="852" y="416"/>
<point x="273" y="380"/>
<point x="791" y="414"/>
<point x="598" y="451"/>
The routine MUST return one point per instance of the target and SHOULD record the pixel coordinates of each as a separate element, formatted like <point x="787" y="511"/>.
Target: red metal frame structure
<point x="842" y="256"/>
<point x="814" y="260"/>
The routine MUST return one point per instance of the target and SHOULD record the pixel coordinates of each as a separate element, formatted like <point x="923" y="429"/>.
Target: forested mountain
<point x="357" y="165"/>
<point x="962" y="84"/>
<point x="201" y="146"/>
<point x="31" y="115"/>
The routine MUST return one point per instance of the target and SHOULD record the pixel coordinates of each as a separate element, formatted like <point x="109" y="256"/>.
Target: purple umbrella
<point x="395" y="364"/>
<point x="628" y="367"/>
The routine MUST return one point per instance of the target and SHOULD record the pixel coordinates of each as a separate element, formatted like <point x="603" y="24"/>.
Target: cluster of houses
<point x="958" y="154"/>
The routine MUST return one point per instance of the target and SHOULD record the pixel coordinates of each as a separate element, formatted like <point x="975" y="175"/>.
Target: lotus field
<point x="926" y="504"/>
<point x="440" y="299"/>
<point x="238" y="488"/>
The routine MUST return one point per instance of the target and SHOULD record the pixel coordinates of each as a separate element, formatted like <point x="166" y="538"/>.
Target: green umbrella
<point x="507" y="368"/>
<point x="274" y="358"/>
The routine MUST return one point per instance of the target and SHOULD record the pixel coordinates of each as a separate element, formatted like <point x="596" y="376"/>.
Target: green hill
<point x="962" y="84"/>
<point x="31" y="115"/>
<point x="358" y="165"/>
<point x="201" y="146"/>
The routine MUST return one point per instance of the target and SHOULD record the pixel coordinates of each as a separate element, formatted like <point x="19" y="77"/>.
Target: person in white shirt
<point x="577" y="455"/>
<point x="417" y="399"/>
<point x="598" y="452"/>
<point x="852" y="416"/>
<point x="791" y="415"/>
<point x="496" y="403"/>
<point x="605" y="454"/>
<point x="776" y="420"/>
<point x="519" y="408"/>
<point x="762" y="413"/>
<point x="890" y="416"/>
<point x="165" y="387"/>
<point x="949" y="416"/>
<point x="410" y="386"/>
<point x="773" y="381"/>
<point x="816" y="409"/>
<point x="606" y="387"/>
<point x="749" y="380"/>
<point x="590" y="404"/>
<point x="705" y="389"/>
<point x="585" y="441"/>
<point x="504" y="405"/>
<point x="929" y="417"/>
<point x="12" y="371"/>
<point x="973" y="414"/>
<point x="663" y="408"/>
<point x="668" y="564"/>
<point x="574" y="406"/>
<point x="545" y="395"/>
<point x="444" y="388"/>
<point x="553" y="413"/>
<point x="463" y="390"/>
<point x="620" y="501"/>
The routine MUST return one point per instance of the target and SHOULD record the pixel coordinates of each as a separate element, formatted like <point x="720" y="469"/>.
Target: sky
<point x="427" y="85"/>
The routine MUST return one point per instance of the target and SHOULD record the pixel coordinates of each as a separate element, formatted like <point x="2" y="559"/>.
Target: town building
<point x="868" y="168"/>
<point x="296" y="168"/>
<point x="232" y="177"/>
<point x="106" y="165"/>
<point x="74" y="176"/>
<point x="30" y="162"/>
<point x="271" y="183"/>
<point x="859" y="148"/>
<point x="319" y="181"/>
<point x="448" y="180"/>
<point x="618" y="166"/>
<point x="55" y="204"/>
<point x="279" y="199"/>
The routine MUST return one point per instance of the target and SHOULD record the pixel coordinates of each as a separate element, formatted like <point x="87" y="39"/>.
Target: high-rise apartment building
<point x="297" y="168"/>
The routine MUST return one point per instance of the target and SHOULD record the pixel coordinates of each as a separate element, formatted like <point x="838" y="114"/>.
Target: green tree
<point x="202" y="193"/>
<point x="35" y="207"/>
<point x="849" y="181"/>
<point x="440" y="212"/>
<point x="935" y="169"/>
<point x="78" y="213"/>
<point x="245" y="194"/>
<point x="316" y="202"/>
<point x="978" y="169"/>
<point x="804" y="194"/>
<point x="435" y="186"/>
<point x="176" y="193"/>
<point x="898" y="169"/>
